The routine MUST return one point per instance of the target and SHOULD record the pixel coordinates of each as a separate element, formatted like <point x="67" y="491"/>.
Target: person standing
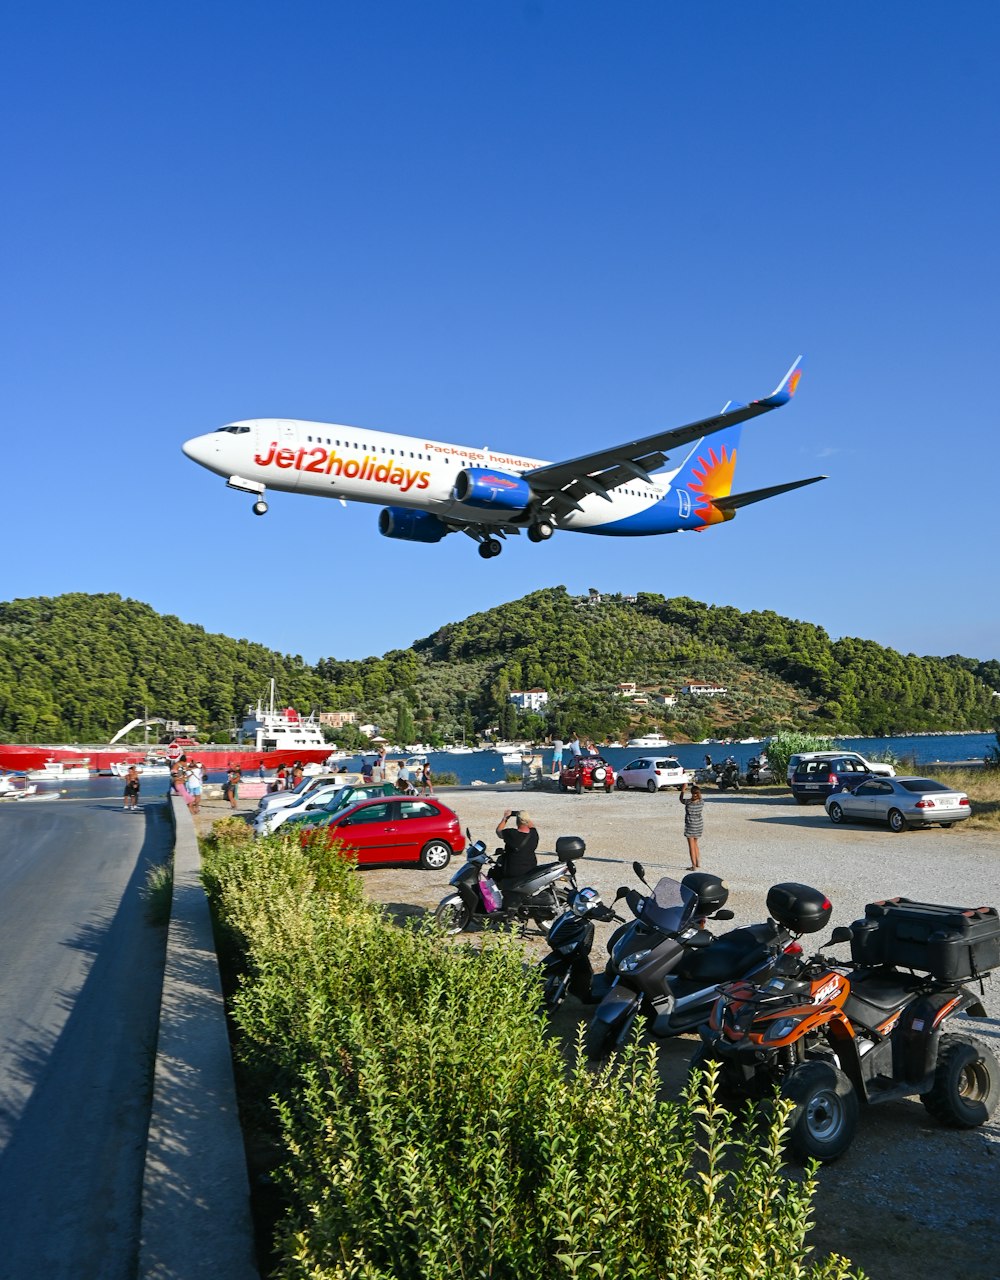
<point x="193" y="784"/>
<point x="694" y="821"/>
<point x="557" y="754"/>
<point x="232" y="788"/>
<point x="426" y="786"/>
<point x="131" y="788"/>
<point x="574" y="746"/>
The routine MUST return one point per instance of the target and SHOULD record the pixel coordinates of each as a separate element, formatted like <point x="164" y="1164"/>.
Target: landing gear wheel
<point x="651" y="786"/>
<point x="260" y="508"/>
<point x="490" y="547"/>
<point x="896" y="821"/>
<point x="540" y="532"/>
<point x="966" y="1086"/>
<point x="825" y="1117"/>
<point x="836" y="813"/>
<point x="453" y="914"/>
<point x="435" y="855"/>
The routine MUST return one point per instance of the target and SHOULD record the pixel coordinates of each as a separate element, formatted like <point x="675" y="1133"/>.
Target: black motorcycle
<point x="567" y="970"/>
<point x="536" y="898"/>
<point x="667" y="966"/>
<point x="728" y="775"/>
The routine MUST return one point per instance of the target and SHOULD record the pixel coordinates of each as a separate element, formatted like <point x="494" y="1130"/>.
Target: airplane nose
<point x="198" y="448"/>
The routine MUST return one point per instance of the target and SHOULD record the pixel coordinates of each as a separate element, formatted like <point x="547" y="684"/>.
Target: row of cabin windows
<point x="353" y="444"/>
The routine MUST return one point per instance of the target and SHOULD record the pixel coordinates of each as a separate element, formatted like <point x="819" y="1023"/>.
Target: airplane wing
<point x="562" y="484"/>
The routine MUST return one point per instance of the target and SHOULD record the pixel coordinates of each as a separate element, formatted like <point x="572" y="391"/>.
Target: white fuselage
<point x="380" y="467"/>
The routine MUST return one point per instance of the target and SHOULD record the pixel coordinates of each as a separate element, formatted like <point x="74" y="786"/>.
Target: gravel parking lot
<point x="909" y="1198"/>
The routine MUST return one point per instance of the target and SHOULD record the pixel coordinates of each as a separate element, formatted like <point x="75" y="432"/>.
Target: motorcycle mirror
<point x="842" y="933"/>
<point x="640" y="871"/>
<point x="622" y="891"/>
<point x="724" y="914"/>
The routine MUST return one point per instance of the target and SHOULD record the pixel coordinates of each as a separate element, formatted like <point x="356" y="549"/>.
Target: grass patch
<point x="982" y="786"/>
<point x="158" y="892"/>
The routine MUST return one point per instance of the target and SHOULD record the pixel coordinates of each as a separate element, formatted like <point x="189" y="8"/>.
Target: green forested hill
<point x="78" y="667"/>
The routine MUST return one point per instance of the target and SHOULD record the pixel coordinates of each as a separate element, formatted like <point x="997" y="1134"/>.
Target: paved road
<point x="81" y="972"/>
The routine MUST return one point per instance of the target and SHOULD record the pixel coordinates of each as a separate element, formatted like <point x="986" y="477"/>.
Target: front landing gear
<point x="490" y="547"/>
<point x="260" y="508"/>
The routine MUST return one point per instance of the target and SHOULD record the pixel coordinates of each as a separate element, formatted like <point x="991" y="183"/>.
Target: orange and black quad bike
<point x="831" y="1034"/>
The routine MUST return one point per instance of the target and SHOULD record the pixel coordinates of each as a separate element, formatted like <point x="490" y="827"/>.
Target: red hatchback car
<point x="589" y="773"/>
<point x="396" y="830"/>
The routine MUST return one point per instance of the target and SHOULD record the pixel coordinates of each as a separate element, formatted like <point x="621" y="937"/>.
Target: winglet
<point x="786" y="388"/>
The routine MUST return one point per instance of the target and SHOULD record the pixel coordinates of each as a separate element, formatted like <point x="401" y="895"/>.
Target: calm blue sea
<point x="487" y="767"/>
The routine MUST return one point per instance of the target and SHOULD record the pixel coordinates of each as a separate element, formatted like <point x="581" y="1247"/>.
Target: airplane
<point x="432" y="489"/>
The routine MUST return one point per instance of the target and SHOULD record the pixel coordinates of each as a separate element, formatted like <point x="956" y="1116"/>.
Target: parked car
<point x="322" y="814"/>
<point x="590" y="773"/>
<point x="406" y="829"/>
<point x="900" y="802"/>
<point x="279" y="799"/>
<point x="872" y="766"/>
<point x="817" y="778"/>
<point x="653" y="773"/>
<point x="267" y="821"/>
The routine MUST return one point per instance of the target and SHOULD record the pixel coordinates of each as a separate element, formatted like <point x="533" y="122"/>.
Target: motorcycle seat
<point x="534" y="880"/>
<point x="728" y="957"/>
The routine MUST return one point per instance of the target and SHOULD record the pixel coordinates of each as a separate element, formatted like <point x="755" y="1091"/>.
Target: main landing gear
<point x="540" y="532"/>
<point x="490" y="547"/>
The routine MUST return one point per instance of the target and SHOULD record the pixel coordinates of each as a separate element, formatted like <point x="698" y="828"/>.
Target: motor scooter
<point x="536" y="898"/>
<point x="831" y="1034"/>
<point x="567" y="970"/>
<point x="668" y="967"/>
<point x="728" y="775"/>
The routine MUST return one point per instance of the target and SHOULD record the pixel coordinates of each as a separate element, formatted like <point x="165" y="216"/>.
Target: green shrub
<point x="432" y="1129"/>
<point x="158" y="892"/>
<point x="788" y="743"/>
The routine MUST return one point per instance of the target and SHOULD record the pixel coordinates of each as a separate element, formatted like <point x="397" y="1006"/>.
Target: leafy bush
<point x="432" y="1129"/>
<point x="788" y="743"/>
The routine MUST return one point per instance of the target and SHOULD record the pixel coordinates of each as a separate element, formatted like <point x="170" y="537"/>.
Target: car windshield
<point x="670" y="906"/>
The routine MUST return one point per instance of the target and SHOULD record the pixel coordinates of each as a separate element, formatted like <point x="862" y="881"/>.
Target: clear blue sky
<point x="541" y="227"/>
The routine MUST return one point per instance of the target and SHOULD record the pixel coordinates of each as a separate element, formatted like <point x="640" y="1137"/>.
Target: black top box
<point x="569" y="847"/>
<point x="950" y="943"/>
<point x="799" y="907"/>
<point x="712" y="893"/>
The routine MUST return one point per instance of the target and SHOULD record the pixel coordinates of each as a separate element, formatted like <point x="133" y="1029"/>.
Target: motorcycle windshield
<point x="670" y="906"/>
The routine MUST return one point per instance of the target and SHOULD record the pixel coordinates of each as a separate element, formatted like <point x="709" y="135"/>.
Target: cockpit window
<point x="235" y="431"/>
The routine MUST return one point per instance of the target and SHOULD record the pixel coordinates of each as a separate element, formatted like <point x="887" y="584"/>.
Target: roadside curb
<point x="196" y="1220"/>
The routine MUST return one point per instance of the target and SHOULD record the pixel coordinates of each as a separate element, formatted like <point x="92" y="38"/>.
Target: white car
<point x="267" y="821"/>
<point x="654" y="773"/>
<point x="279" y="799"/>
<point x="872" y="766"/>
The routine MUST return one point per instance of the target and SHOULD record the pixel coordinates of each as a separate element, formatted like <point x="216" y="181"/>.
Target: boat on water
<point x="650" y="741"/>
<point x="62" y="770"/>
<point x="152" y="767"/>
<point x="16" y="787"/>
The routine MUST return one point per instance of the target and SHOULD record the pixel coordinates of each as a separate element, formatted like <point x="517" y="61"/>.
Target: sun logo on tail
<point x="712" y="478"/>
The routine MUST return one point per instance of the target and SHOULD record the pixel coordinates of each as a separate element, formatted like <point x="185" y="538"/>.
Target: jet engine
<point x="494" y="490"/>
<point x="411" y="526"/>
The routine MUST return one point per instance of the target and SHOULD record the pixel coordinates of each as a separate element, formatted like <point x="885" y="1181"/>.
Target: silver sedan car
<point x="900" y="802"/>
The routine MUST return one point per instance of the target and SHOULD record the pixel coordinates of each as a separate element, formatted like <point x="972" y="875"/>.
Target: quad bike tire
<point x="825" y="1117"/>
<point x="966" y="1086"/>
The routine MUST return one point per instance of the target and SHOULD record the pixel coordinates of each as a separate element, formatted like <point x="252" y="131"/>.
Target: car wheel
<point x="579" y="785"/>
<point x="822" y="1124"/>
<point x="651" y="786"/>
<point x="562" y="785"/>
<point x="621" y="784"/>
<point x="453" y="914"/>
<point x="966" y="1086"/>
<point x="836" y="813"/>
<point x="801" y="799"/>
<point x="607" y="792"/>
<point x="896" y="821"/>
<point x="947" y="824"/>
<point x="435" y="855"/>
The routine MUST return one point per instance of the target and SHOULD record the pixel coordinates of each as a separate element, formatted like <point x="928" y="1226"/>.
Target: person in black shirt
<point x="519" y="845"/>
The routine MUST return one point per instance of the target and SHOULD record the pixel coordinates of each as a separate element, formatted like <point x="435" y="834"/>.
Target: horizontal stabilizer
<point x="732" y="501"/>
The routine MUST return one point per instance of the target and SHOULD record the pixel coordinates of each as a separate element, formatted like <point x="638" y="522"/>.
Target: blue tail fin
<point x="709" y="468"/>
